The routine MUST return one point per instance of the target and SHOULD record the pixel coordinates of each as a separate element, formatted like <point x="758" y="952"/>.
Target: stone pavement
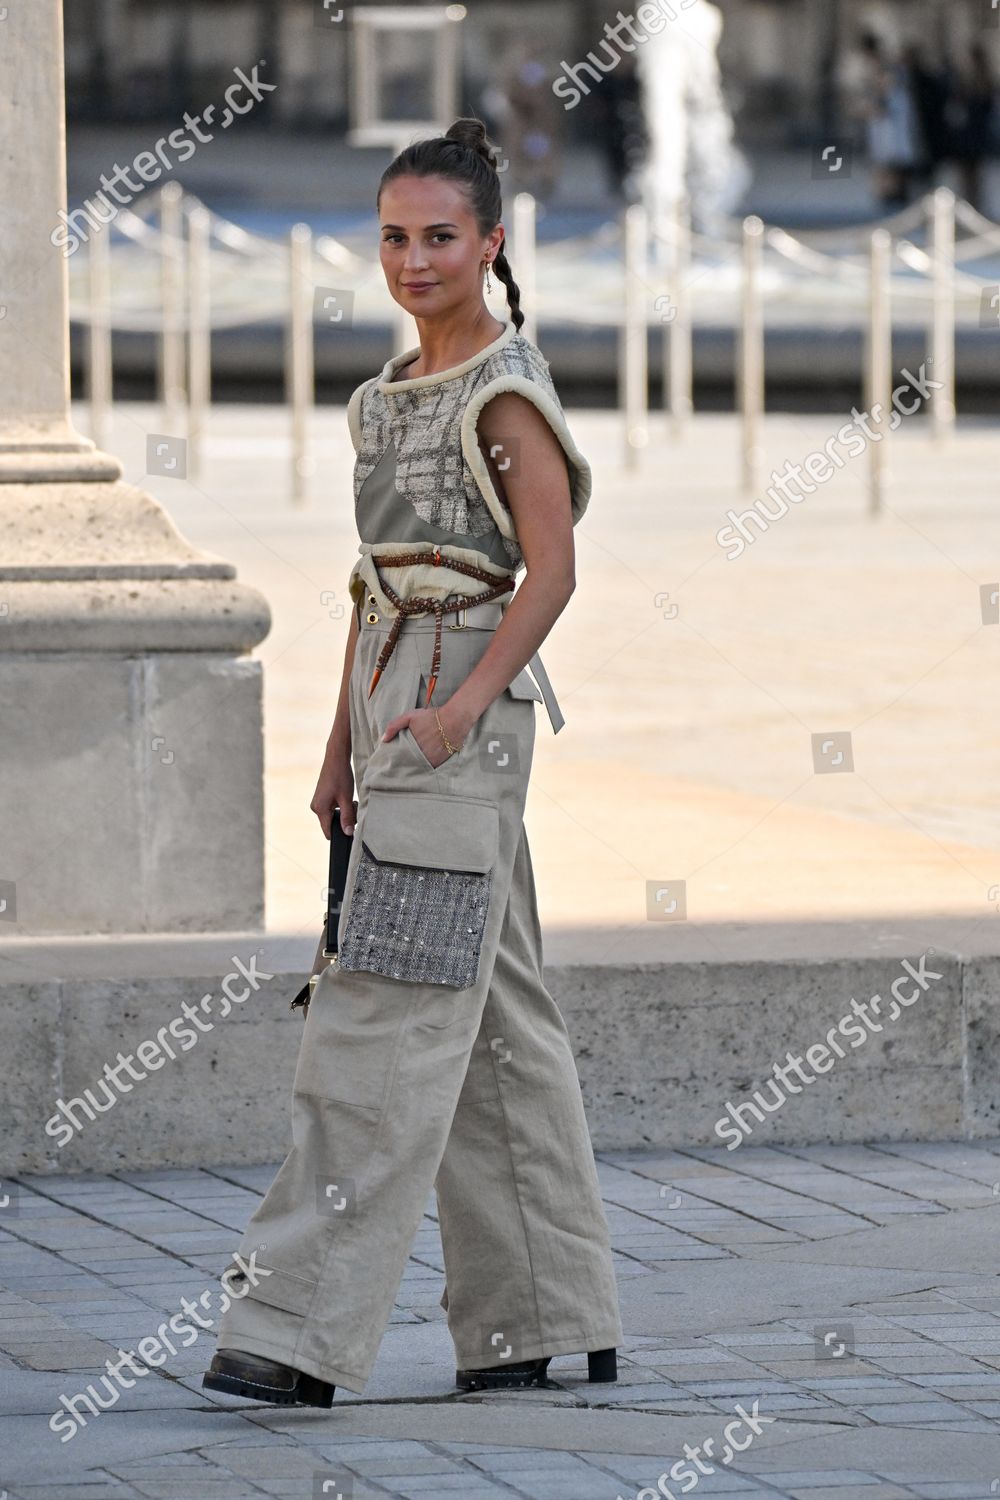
<point x="844" y="1298"/>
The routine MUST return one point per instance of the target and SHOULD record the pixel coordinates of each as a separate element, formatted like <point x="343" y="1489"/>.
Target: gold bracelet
<point x="452" y="748"/>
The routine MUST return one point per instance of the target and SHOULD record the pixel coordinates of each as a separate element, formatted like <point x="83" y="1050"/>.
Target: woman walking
<point x="432" y="1053"/>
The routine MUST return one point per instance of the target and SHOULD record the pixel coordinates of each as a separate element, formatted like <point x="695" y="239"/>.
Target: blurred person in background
<point x="854" y="75"/>
<point x="622" y="134"/>
<point x="973" y="117"/>
<point x="893" y="137"/>
<point x="931" y="88"/>
<point x="533" y="116"/>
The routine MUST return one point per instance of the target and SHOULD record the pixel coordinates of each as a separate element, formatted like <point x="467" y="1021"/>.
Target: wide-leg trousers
<point x="404" y="1083"/>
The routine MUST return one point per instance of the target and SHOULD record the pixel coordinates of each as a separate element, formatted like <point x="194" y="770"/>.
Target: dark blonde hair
<point x="463" y="154"/>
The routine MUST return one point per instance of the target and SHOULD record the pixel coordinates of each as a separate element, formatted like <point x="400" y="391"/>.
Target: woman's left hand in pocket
<point x="423" y="725"/>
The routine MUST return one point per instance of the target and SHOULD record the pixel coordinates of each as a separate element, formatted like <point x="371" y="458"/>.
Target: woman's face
<point x="431" y="251"/>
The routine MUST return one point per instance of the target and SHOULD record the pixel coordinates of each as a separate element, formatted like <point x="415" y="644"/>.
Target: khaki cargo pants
<point x="433" y="1054"/>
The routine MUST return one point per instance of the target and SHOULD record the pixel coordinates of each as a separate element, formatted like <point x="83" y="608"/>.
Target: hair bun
<point x="471" y="133"/>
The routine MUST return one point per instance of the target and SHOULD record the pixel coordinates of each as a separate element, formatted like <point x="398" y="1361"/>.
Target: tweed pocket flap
<point x="424" y="828"/>
<point x="421" y="894"/>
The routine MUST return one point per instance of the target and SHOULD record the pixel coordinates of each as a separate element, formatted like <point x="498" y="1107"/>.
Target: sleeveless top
<point x="421" y="482"/>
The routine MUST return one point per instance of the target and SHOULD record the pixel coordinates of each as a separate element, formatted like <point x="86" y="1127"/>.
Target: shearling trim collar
<point x="386" y="384"/>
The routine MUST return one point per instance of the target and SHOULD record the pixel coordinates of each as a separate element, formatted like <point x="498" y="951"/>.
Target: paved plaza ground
<point x="845" y="1297"/>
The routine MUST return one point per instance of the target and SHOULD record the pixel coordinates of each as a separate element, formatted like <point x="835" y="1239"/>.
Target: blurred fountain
<point x="691" y="153"/>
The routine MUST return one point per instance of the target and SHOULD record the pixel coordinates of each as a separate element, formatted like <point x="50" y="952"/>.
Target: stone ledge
<point x="661" y="1047"/>
<point x="131" y="616"/>
<point x="135" y="955"/>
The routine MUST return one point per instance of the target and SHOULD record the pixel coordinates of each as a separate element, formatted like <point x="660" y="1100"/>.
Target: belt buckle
<point x="459" y="623"/>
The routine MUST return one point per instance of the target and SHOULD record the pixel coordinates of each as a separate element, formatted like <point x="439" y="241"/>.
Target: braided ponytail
<point x="501" y="266"/>
<point x="464" y="155"/>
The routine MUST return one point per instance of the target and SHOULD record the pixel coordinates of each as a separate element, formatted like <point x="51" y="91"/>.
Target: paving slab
<point x="965" y="1240"/>
<point x="873" y="1354"/>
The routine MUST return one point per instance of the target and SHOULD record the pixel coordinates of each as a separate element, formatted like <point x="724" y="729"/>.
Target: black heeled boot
<point x="240" y="1374"/>
<point x="602" y="1365"/>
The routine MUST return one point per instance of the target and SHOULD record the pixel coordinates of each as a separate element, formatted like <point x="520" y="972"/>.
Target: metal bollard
<point x="750" y="363"/>
<point x="633" y="392"/>
<point x="172" y="393"/>
<point x="942" y="320"/>
<point x="678" y="351"/>
<point x="878" y="365"/>
<point x="99" y="367"/>
<point x="199" y="331"/>
<point x="299" y="356"/>
<point x="525" y="250"/>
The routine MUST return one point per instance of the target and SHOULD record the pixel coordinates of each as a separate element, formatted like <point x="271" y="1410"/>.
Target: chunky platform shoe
<point x="258" y="1379"/>
<point x="602" y="1365"/>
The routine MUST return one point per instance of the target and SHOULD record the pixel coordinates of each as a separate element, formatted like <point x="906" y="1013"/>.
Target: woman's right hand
<point x="335" y="789"/>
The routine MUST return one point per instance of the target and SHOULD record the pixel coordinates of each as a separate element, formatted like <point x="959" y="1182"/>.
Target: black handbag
<point x="340" y="854"/>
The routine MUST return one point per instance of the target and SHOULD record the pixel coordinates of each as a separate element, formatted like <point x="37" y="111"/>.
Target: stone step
<point x="672" y="1045"/>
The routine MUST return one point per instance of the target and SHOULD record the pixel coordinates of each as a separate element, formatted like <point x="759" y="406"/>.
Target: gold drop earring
<point x="489" y="284"/>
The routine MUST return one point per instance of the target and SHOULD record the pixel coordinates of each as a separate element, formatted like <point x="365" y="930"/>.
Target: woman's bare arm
<point x="340" y="734"/>
<point x="335" y="788"/>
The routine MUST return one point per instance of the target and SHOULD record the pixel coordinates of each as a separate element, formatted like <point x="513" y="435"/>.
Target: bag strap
<point x="319" y="964"/>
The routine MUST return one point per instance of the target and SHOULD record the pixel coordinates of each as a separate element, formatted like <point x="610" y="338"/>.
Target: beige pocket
<point x="421" y="893"/>
<point x="409" y="739"/>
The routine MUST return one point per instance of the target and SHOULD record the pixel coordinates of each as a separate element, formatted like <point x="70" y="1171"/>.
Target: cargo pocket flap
<point x="425" y="829"/>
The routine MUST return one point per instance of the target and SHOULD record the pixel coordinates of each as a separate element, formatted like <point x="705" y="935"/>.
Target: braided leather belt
<point x="422" y="604"/>
<point x="373" y="616"/>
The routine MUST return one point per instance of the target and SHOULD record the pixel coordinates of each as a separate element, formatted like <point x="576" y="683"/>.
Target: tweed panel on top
<point x="431" y="425"/>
